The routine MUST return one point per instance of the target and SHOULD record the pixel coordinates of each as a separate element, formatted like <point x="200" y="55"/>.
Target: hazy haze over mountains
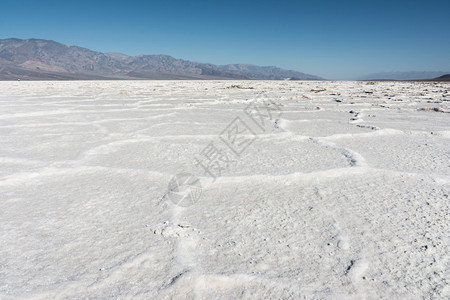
<point x="36" y="59"/>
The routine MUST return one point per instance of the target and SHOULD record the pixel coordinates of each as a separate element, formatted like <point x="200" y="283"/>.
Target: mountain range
<point x="412" y="75"/>
<point x="37" y="59"/>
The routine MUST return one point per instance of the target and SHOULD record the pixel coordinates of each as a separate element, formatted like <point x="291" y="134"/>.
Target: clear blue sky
<point x="333" y="39"/>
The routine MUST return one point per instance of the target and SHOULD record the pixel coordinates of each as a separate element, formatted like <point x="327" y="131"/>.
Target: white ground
<point x="324" y="204"/>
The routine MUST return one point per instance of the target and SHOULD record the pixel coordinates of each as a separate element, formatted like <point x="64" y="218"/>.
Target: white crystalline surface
<point x="343" y="193"/>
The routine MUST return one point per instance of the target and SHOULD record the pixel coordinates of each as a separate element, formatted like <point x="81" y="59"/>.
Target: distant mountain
<point x="36" y="59"/>
<point x="445" y="77"/>
<point x="403" y="75"/>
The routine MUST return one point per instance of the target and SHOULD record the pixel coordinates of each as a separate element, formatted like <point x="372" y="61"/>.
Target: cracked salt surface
<point x="344" y="196"/>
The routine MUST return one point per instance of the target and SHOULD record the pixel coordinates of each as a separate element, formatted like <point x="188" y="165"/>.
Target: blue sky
<point x="332" y="39"/>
